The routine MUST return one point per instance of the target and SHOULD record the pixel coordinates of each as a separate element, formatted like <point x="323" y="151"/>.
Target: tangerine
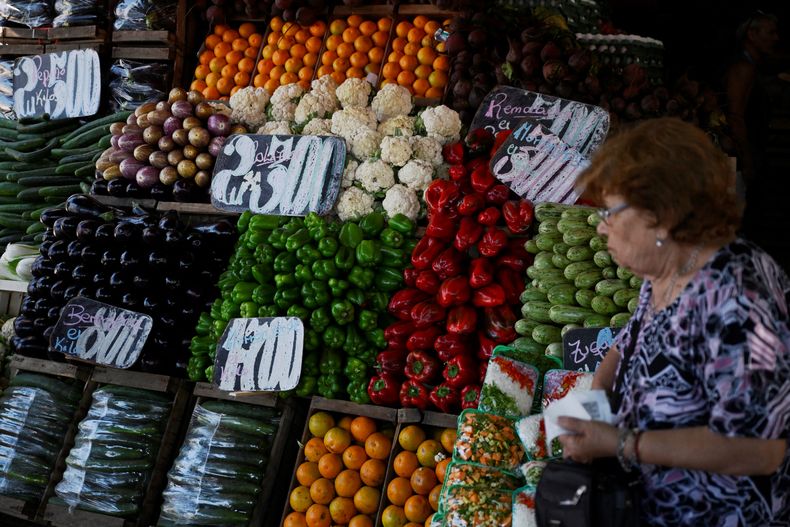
<point x="212" y="79"/>
<point x="318" y="28"/>
<point x="356" y="73"/>
<point x="368" y="27"/>
<point x="376" y="55"/>
<point x="313" y="44"/>
<point x="415" y="34"/>
<point x="433" y="497"/>
<point x="336" y="27"/>
<point x="333" y="42"/>
<point x="441" y="63"/>
<point x="230" y="35"/>
<point x="246" y="29"/>
<point x="276" y="23"/>
<point x="324" y="70"/>
<point x="328" y="57"/>
<point x="408" y="63"/>
<point x="359" y="59"/>
<point x="398" y="491"/>
<point x="338" y="77"/>
<point x="293" y="65"/>
<point x="405" y="463"/>
<point x="384" y="24"/>
<point x="211" y="93"/>
<point x="378" y="446"/>
<point x="310" y="59"/>
<point x="403" y="28"/>
<point x="201" y="71"/>
<point x="212" y="41"/>
<point x="434" y="93"/>
<point x="441" y="469"/>
<point x="300" y="499"/>
<point x="354" y="457"/>
<point x="399" y="44"/>
<point x="355" y="20"/>
<point x="318" y="516"/>
<point x="380" y="38"/>
<point x="302" y="35"/>
<point x="247" y="65"/>
<point x="393" y="516"/>
<point x="298" y="51"/>
<point x="219" y="29"/>
<point x="438" y="79"/>
<point x="363" y="43"/>
<point x="423" y="480"/>
<point x="330" y="465"/>
<point x="360" y="520"/>
<point x="342" y="510"/>
<point x="206" y="57"/>
<point x="412" y="48"/>
<point x="417" y="509"/>
<point x="447" y="439"/>
<point x="395" y="57"/>
<point x="305" y="73"/>
<point x="229" y="71"/>
<point x="322" y="491"/>
<point x="295" y="519"/>
<point x="217" y="64"/>
<point x="362" y="427"/>
<point x="340" y="65"/>
<point x="345" y="50"/>
<point x="347" y="483"/>
<point x="198" y="85"/>
<point x="241" y="78"/>
<point x="391" y="70"/>
<point x="366" y="500"/>
<point x="271" y="85"/>
<point x="420" y="21"/>
<point x="234" y="57"/>
<point x="307" y="473"/>
<point x="406" y="79"/>
<point x="288" y="77"/>
<point x="372" y="472"/>
<point x="259" y="80"/>
<point x="285" y="43"/>
<point x="279" y="57"/>
<point x="422" y="72"/>
<point x="426" y="56"/>
<point x="240" y="44"/>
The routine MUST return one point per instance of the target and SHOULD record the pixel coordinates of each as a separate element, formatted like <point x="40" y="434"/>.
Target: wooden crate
<point x="60" y="516"/>
<point x="385" y="416"/>
<point x="17" y="50"/>
<point x="11" y="294"/>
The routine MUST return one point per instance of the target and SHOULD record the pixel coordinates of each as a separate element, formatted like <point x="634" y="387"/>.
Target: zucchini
<point x="619" y="320"/>
<point x="88" y="137"/>
<point x="603" y="305"/>
<point x="571" y="225"/>
<point x="623" y="273"/>
<point x="548" y="227"/>
<point x="578" y="236"/>
<point x="107" y="120"/>
<point x="562" y="294"/>
<point x="580" y="253"/>
<point x="576" y="268"/>
<point x="532" y="294"/>
<point x="561" y="248"/>
<point x="609" y="287"/>
<point x="602" y="258"/>
<point x="546" y="334"/>
<point x="596" y="321"/>
<point x="531" y="246"/>
<point x="537" y="311"/>
<point x="560" y="261"/>
<point x="524" y="326"/>
<point x="568" y="314"/>
<point x="584" y="297"/>
<point x="609" y="273"/>
<point x="527" y="345"/>
<point x="633" y="304"/>
<point x="10" y="189"/>
<point x="554" y="350"/>
<point x="597" y="244"/>
<point x="587" y="279"/>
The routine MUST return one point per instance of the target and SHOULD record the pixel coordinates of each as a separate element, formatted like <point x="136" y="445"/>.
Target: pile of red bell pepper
<point x="462" y="294"/>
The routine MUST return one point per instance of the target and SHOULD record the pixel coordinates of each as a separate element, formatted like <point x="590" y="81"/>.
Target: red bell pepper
<point x="453" y="292"/>
<point x="453" y="153"/>
<point x="401" y="302"/>
<point x="482" y="370"/>
<point x="383" y="389"/>
<point x="449" y="345"/>
<point x="414" y="395"/>
<point x="498" y="194"/>
<point x="474" y="163"/>
<point x="468" y="233"/>
<point x="433" y="194"/>
<point x="470" y="396"/>
<point x="512" y="284"/>
<point x="479" y="140"/>
<point x="499" y="139"/>
<point x="448" y="263"/>
<point x="456" y="172"/>
<point x="489" y="296"/>
<point x="482" y="179"/>
<point x="427" y="313"/>
<point x="428" y="282"/>
<point x="485" y="347"/>
<point x="460" y="371"/>
<point x="390" y="361"/>
<point x="410" y="276"/>
<point x="445" y="398"/>
<point x="399" y="330"/>
<point x="470" y="204"/>
<point x="489" y="216"/>
<point x="512" y="261"/>
<point x="441" y="225"/>
<point x="421" y="367"/>
<point x="499" y="324"/>
<point x="426" y="251"/>
<point x="423" y="339"/>
<point x="492" y="242"/>
<point x="481" y="273"/>
<point x="518" y="215"/>
<point x="462" y="320"/>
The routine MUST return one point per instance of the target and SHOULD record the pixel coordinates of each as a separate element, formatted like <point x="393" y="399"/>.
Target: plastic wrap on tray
<point x="35" y="412"/>
<point x="477" y="475"/>
<point x="532" y="471"/>
<point x="509" y="387"/>
<point x="76" y="13"/>
<point x="134" y="83"/>
<point x="532" y="432"/>
<point x="218" y="473"/>
<point x="487" y="439"/>
<point x="28" y="13"/>
<point x="7" y="88"/>
<point x="142" y="15"/>
<point x="110" y="464"/>
<point x="524" y="507"/>
<point x="473" y="506"/>
<point x="559" y="383"/>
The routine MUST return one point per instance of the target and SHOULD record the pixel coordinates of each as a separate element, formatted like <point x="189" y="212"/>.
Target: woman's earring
<point x="659" y="242"/>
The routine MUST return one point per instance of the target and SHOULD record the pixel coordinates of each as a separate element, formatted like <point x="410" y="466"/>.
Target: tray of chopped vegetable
<point x="541" y="361"/>
<point x="532" y="471"/>
<point x="532" y="432"/>
<point x="487" y="439"/>
<point x="524" y="507"/>
<point x="509" y="387"/>
<point x="477" y="475"/>
<point x="473" y="506"/>
<point x="559" y="383"/>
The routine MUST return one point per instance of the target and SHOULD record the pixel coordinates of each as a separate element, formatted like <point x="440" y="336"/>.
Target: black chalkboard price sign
<point x="97" y="332"/>
<point x="61" y="85"/>
<point x="584" y="349"/>
<point x="284" y="175"/>
<point x="259" y="355"/>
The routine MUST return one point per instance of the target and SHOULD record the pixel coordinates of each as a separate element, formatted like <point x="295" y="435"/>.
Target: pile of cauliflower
<point x="391" y="157"/>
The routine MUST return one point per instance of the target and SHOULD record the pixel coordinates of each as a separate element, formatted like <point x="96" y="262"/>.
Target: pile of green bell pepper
<point x="336" y="276"/>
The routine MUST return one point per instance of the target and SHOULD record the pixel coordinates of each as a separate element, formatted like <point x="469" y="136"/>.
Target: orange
<point x="219" y="29"/>
<point x="277" y="72"/>
<point x="403" y="28"/>
<point x="240" y="44"/>
<point x="247" y="65"/>
<point x="430" y="27"/>
<point x="201" y="71"/>
<point x="378" y="446"/>
<point x="433" y="497"/>
<point x="373" y="68"/>
<point x="288" y="77"/>
<point x="412" y="48"/>
<point x="368" y="27"/>
<point x="362" y="427"/>
<point x="217" y="64"/>
<point x="422" y="72"/>
<point x="310" y="59"/>
<point x="447" y="439"/>
<point x="265" y="66"/>
<point x="380" y="38"/>
<point x="305" y="73"/>
<point x="395" y="56"/>
<point x="372" y="472"/>
<point x="420" y="21"/>
<point x="289" y="28"/>
<point x="279" y="57"/>
<point x="359" y="59"/>
<point x="427" y="41"/>
<point x="295" y="519"/>
<point x="255" y="40"/>
<point x="340" y="65"/>
<point x="318" y="516"/>
<point x="246" y="29"/>
<point x="427" y="451"/>
<point x="417" y="509"/>
<point x="298" y="51"/>
<point x="212" y="41"/>
<point x="363" y="43"/>
<point x="384" y="24"/>
<point x="345" y="50"/>
<point x="342" y="510"/>
<point x="423" y="480"/>
<point x="426" y="56"/>
<point x="398" y="491"/>
<point x="198" y="85"/>
<point x="333" y="42"/>
<point x="330" y="465"/>
<point x="435" y="93"/>
<point x="345" y="423"/>
<point x="224" y="85"/>
<point x="355" y="20"/>
<point x="242" y="78"/>
<point x="347" y="483"/>
<point x="300" y="499"/>
<point x="376" y="55"/>
<point x="206" y="57"/>
<point x="338" y="77"/>
<point x="293" y="65"/>
<point x="360" y="520"/>
<point x="230" y="35"/>
<point x="324" y="70"/>
<point x="268" y="51"/>
<point x="354" y="457"/>
<point x="415" y="34"/>
<point x="366" y="500"/>
<point x="251" y="53"/>
<point x="305" y="84"/>
<point x="212" y="79"/>
<point x="302" y="35"/>
<point x="399" y="44"/>
<point x="211" y="92"/>
<point x="405" y="463"/>
<point x="229" y="71"/>
<point x="406" y="78"/>
<point x="307" y="473"/>
<point x="391" y="70"/>
<point x="441" y="469"/>
<point x="273" y="38"/>
<point x="408" y="63"/>
<point x="313" y="44"/>
<point x="260" y="80"/>
<point x="438" y="79"/>
<point x="322" y="491"/>
<point x="356" y="73"/>
<point x="393" y="517"/>
<point x="318" y="28"/>
<point x="271" y="85"/>
<point x="336" y="27"/>
<point x="328" y="57"/>
<point x="285" y="43"/>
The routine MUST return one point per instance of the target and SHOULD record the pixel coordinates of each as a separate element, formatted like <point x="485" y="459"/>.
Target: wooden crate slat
<point x="208" y="390"/>
<point x="113" y="201"/>
<point x="24" y="33"/>
<point x="59" y="516"/>
<point x="16" y="508"/>
<point x="21" y="49"/>
<point x="145" y="53"/>
<point x="13" y="286"/>
<point x="440" y="420"/>
<point x="59" y="369"/>
<point x="142" y="36"/>
<point x="133" y="379"/>
<point x="370" y="10"/>
<point x="193" y="208"/>
<point x="72" y="33"/>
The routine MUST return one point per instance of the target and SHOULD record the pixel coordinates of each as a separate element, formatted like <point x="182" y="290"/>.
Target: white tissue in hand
<point x="587" y="405"/>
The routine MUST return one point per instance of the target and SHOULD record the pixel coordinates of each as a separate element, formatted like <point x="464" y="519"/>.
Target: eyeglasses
<point x="605" y="214"/>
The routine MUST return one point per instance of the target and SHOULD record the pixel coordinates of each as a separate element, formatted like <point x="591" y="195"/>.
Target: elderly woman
<point x="700" y="377"/>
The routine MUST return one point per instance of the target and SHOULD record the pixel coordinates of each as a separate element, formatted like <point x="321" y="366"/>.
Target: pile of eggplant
<point x="147" y="262"/>
<point x="164" y="150"/>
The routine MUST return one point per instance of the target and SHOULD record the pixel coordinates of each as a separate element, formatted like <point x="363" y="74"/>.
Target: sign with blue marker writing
<point x="583" y="349"/>
<point x="97" y="332"/>
<point x="62" y="85"/>
<point x="282" y="175"/>
<point x="537" y="165"/>
<point x="260" y="355"/>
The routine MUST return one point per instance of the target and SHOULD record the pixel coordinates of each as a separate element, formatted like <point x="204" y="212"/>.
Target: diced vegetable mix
<point x="476" y="475"/>
<point x="532" y="432"/>
<point x="472" y="506"/>
<point x="532" y="471"/>
<point x="487" y="439"/>
<point x="509" y="387"/>
<point x="524" y="507"/>
<point x="559" y="383"/>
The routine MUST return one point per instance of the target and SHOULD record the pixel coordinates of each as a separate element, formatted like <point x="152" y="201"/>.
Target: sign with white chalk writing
<point x="582" y="127"/>
<point x="284" y="175"/>
<point x="62" y="85"/>
<point x="538" y="165"/>
<point x="259" y="355"/>
<point x="97" y="332"/>
<point x="584" y="349"/>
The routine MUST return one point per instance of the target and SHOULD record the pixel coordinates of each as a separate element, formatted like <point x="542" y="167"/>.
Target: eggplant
<point x="90" y="255"/>
<point x="219" y="230"/>
<point x="70" y="292"/>
<point x="125" y="232"/>
<point x="134" y="191"/>
<point x="173" y="283"/>
<point x="100" y="278"/>
<point x="118" y="279"/>
<point x="54" y="312"/>
<point x="43" y="249"/>
<point x="86" y="229"/>
<point x="172" y="303"/>
<point x="62" y="270"/>
<point x="161" y="192"/>
<point x="65" y="228"/>
<point x="23" y="327"/>
<point x="104" y="234"/>
<point x="109" y="258"/>
<point x="103" y="294"/>
<point x="42" y="266"/>
<point x="41" y="323"/>
<point x="192" y="296"/>
<point x="169" y="220"/>
<point x="117" y="187"/>
<point x="49" y="216"/>
<point x="28" y="307"/>
<point x="57" y="290"/>
<point x="129" y="260"/>
<point x="187" y="313"/>
<point x="183" y="190"/>
<point x="29" y="346"/>
<point x="151" y="304"/>
<point x="172" y="238"/>
<point x="86" y="292"/>
<point x="152" y="235"/>
<point x="141" y="281"/>
<point x="42" y="306"/>
<point x="81" y="274"/>
<point x="195" y="241"/>
<point x="87" y="207"/>
<point x="57" y="251"/>
<point x="48" y="332"/>
<point x="48" y="236"/>
<point x="74" y="250"/>
<point x="167" y="322"/>
<point x="186" y="261"/>
<point x="130" y="301"/>
<point x="157" y="259"/>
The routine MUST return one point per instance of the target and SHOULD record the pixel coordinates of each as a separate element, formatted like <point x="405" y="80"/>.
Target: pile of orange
<point x="416" y="61"/>
<point x="420" y="468"/>
<point x="227" y="62"/>
<point x="355" y="47"/>
<point x="340" y="480"/>
<point x="290" y="54"/>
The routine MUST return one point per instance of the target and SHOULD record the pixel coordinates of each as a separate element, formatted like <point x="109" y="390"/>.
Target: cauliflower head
<point x="318" y="127"/>
<point x="442" y="123"/>
<point x="354" y="203"/>
<point x="390" y="101"/>
<point x="375" y="176"/>
<point x="275" y="128"/>
<point x="416" y="174"/>
<point x="395" y="150"/>
<point x="401" y="200"/>
<point x="310" y="106"/>
<point x="248" y="107"/>
<point x="325" y="87"/>
<point x="428" y="149"/>
<point x="400" y="125"/>
<point x="365" y="143"/>
<point x="284" y="101"/>
<point x="354" y="93"/>
<point x="349" y="173"/>
<point x="348" y="122"/>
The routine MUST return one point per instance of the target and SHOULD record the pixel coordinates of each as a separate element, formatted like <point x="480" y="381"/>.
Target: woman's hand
<point x="589" y="439"/>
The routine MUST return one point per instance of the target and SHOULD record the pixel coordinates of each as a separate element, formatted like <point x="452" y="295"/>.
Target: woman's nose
<point x="602" y="229"/>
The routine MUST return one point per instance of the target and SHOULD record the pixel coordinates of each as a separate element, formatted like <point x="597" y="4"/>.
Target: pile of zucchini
<point x="218" y="473"/>
<point x="574" y="282"/>
<point x="108" y="469"/>
<point x="43" y="162"/>
<point x="35" y="412"/>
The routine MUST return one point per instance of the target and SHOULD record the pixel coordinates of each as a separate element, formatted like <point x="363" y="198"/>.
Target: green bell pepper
<point x="307" y="386"/>
<point x="342" y="311"/>
<point x="334" y="337"/>
<point x="318" y="232"/>
<point x="277" y="238"/>
<point x="376" y="338"/>
<point x="312" y="340"/>
<point x="356" y="297"/>
<point x="285" y="298"/>
<point x="298" y="312"/>
<point x="409" y="245"/>
<point x="354" y="344"/>
<point x="201" y="345"/>
<point x="362" y="278"/>
<point x="391" y="238"/>
<point x="254" y="239"/>
<point x="389" y="279"/>
<point x="313" y="220"/>
<point x="371" y="224"/>
<point x="345" y="258"/>
<point x="209" y="373"/>
<point x="350" y="235"/>
<point x="297" y="239"/>
<point x="331" y="363"/>
<point x="358" y="391"/>
<point x="219" y="326"/>
<point x="392" y="257"/>
<point x="355" y="369"/>
<point x="215" y="312"/>
<point x="308" y="254"/>
<point x="368" y="356"/>
<point x="329" y="386"/>
<point x="243" y="271"/>
<point x="248" y="310"/>
<point x="284" y="280"/>
<point x="302" y="273"/>
<point x="261" y="273"/>
<point x="265" y="253"/>
<point x="264" y="294"/>
<point x="337" y="286"/>
<point x="269" y="311"/>
<point x="243" y="253"/>
<point x="230" y="309"/>
<point x="244" y="221"/>
<point x="324" y="269"/>
<point x="320" y="319"/>
<point x="242" y="291"/>
<point x="196" y="367"/>
<point x="310" y="363"/>
<point x="285" y="263"/>
<point x="368" y="253"/>
<point x="402" y="224"/>
<point x="328" y="246"/>
<point x="263" y="222"/>
<point x="367" y="320"/>
<point x="203" y="326"/>
<point x="315" y="294"/>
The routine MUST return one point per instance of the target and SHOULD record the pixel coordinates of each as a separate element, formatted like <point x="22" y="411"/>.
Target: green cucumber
<point x="88" y="170"/>
<point x="560" y="248"/>
<point x="60" y="153"/>
<point x="232" y="470"/>
<point x="579" y="236"/>
<point x="568" y="314"/>
<point x="619" y="320"/>
<point x="554" y="350"/>
<point x="597" y="321"/>
<point x="603" y="305"/>
<point x="135" y="394"/>
<point x="567" y="327"/>
<point x="549" y="211"/>
<point x="635" y="282"/>
<point x="577" y="213"/>
<point x="609" y="287"/>
<point x="633" y="304"/>
<point x="584" y="297"/>
<point x="527" y="345"/>
<point x="571" y="225"/>
<point x="86" y="156"/>
<point x="602" y="259"/>
<point x="587" y="279"/>
<point x="24" y="145"/>
<point x="36" y="228"/>
<point x="579" y="253"/>
<point x="562" y="294"/>
<point x="545" y="242"/>
<point x="543" y="261"/>
<point x="112" y="465"/>
<point x="593" y="219"/>
<point x="36" y="154"/>
<point x="548" y="227"/>
<point x="546" y="334"/>
<point x="39" y="181"/>
<point x="532" y="294"/>
<point x="10" y="189"/>
<point x="59" y="191"/>
<point x="105" y="142"/>
<point x="61" y="390"/>
<point x="621" y="297"/>
<point x="16" y="176"/>
<point x="623" y="273"/>
<point x="537" y="311"/>
<point x="547" y="282"/>
<point x="15" y="222"/>
<point x="531" y="246"/>
<point x="11" y="238"/>
<point x="45" y="126"/>
<point x="574" y="269"/>
<point x="240" y="410"/>
<point x="107" y="120"/>
<point x="245" y="425"/>
<point x="89" y="137"/>
<point x="524" y="326"/>
<point x="8" y="135"/>
<point x="14" y="208"/>
<point x="560" y="261"/>
<point x="609" y="273"/>
<point x="597" y="244"/>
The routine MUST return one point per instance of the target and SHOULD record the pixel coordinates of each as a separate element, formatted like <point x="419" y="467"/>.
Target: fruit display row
<point x="227" y="60"/>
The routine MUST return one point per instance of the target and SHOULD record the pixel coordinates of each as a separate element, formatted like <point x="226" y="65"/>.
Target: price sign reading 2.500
<point x="282" y="175"/>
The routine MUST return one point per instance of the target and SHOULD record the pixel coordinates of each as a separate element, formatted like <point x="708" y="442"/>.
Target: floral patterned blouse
<point x="718" y="356"/>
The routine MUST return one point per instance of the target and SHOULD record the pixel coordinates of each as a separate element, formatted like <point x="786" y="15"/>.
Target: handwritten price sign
<point x="584" y="349"/>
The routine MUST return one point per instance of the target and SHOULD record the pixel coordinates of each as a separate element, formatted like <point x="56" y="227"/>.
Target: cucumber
<point x="105" y="142"/>
<point x="89" y="137"/>
<point x="240" y="409"/>
<point x="584" y="297"/>
<point x="603" y="305"/>
<point x="109" y="451"/>
<point x="14" y="208"/>
<point x="545" y="242"/>
<point x="524" y="326"/>
<point x="635" y="282"/>
<point x="35" y="181"/>
<point x="8" y="135"/>
<point x="560" y="261"/>
<point x="24" y="145"/>
<point x="568" y="314"/>
<point x="29" y="194"/>
<point x="14" y="222"/>
<point x="620" y="320"/>
<point x="597" y="244"/>
<point x="60" y="153"/>
<point x="10" y="189"/>
<point x="554" y="350"/>
<point x="548" y="227"/>
<point x="245" y="425"/>
<point x="571" y="225"/>
<point x="531" y="247"/>
<point x="602" y="258"/>
<point x="135" y="394"/>
<point x="609" y="273"/>
<point x="84" y="157"/>
<point x="609" y="287"/>
<point x="16" y="176"/>
<point x="623" y="273"/>
<point x="562" y="294"/>
<point x="537" y="311"/>
<point x="87" y="170"/>
<point x="35" y="154"/>
<point x="578" y="236"/>
<point x="527" y="345"/>
<point x="580" y="253"/>
<point x="596" y="321"/>
<point x="574" y="269"/>
<point x="59" y="191"/>
<point x="532" y="294"/>
<point x="549" y="211"/>
<point x="546" y="283"/>
<point x="577" y="213"/>
<point x="621" y="297"/>
<point x="546" y="334"/>
<point x="567" y="327"/>
<point x="60" y="390"/>
<point x="593" y="219"/>
<point x="232" y="470"/>
<point x="633" y="304"/>
<point x="108" y="120"/>
<point x="561" y="248"/>
<point x="69" y="168"/>
<point x="543" y="261"/>
<point x="587" y="279"/>
<point x="112" y="465"/>
<point x="45" y="125"/>
<point x="36" y="228"/>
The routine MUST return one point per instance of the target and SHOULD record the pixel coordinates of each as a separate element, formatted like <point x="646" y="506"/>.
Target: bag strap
<point x="617" y="393"/>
